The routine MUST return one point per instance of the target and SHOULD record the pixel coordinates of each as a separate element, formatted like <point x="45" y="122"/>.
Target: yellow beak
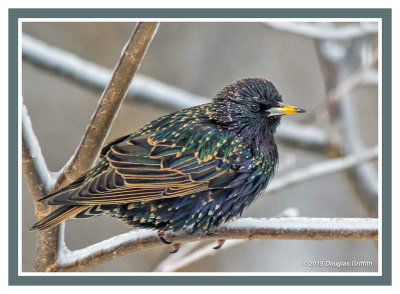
<point x="283" y="109"/>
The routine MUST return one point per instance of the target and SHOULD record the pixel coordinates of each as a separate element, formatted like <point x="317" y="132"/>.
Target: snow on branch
<point x="290" y="228"/>
<point x="322" y="32"/>
<point x="96" y="77"/>
<point x="34" y="166"/>
<point x="39" y="182"/>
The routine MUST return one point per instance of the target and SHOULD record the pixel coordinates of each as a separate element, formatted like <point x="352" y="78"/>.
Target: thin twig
<point x="185" y="257"/>
<point x="319" y="169"/>
<point x="199" y="254"/>
<point x="94" y="76"/>
<point x="316" y="31"/>
<point x="354" y="80"/>
<point x="296" y="228"/>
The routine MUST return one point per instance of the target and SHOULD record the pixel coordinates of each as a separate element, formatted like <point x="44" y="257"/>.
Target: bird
<point x="192" y="169"/>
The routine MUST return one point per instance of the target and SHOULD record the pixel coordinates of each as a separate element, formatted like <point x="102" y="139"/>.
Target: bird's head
<point x="251" y="108"/>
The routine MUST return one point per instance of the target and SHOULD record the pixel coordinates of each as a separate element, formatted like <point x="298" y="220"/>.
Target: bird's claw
<point x="161" y="235"/>
<point x="176" y="248"/>
<point x="220" y="242"/>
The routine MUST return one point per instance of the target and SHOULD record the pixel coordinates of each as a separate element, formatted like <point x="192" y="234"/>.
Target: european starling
<point x="192" y="169"/>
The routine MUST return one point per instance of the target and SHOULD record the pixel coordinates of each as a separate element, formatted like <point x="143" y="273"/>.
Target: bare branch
<point x="296" y="228"/>
<point x="185" y="257"/>
<point x="109" y="103"/>
<point x="319" y="31"/>
<point x="94" y="76"/>
<point x="319" y="169"/>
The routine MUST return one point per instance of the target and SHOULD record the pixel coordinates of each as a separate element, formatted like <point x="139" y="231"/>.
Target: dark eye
<point x="255" y="107"/>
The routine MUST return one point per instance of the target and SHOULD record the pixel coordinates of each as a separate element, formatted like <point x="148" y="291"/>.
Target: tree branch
<point x="39" y="183"/>
<point x="337" y="68"/>
<point x="94" y="76"/>
<point x="109" y="103"/>
<point x="291" y="228"/>
<point x="35" y="170"/>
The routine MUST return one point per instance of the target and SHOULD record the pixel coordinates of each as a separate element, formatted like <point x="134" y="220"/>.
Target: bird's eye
<point x="255" y="107"/>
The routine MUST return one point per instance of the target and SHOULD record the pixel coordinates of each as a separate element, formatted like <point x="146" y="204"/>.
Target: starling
<point x="192" y="169"/>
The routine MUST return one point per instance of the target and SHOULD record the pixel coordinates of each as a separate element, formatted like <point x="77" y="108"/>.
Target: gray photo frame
<point x="45" y="279"/>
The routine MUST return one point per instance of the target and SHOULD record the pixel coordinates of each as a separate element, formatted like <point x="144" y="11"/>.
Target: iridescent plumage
<point x="191" y="169"/>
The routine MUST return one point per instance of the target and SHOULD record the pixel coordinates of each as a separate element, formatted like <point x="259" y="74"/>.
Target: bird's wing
<point x="143" y="168"/>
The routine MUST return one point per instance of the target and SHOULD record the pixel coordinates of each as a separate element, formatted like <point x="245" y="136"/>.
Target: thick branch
<point x="39" y="183"/>
<point x="94" y="76"/>
<point x="296" y="228"/>
<point x="109" y="103"/>
<point x="35" y="170"/>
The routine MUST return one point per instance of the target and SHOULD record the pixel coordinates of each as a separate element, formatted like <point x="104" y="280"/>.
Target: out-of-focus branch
<point x="366" y="173"/>
<point x="296" y="228"/>
<point x="94" y="76"/>
<point x="109" y="103"/>
<point x="323" y="168"/>
<point x="185" y="257"/>
<point x="316" y="31"/>
<point x="365" y="73"/>
<point x="39" y="183"/>
<point x="337" y="68"/>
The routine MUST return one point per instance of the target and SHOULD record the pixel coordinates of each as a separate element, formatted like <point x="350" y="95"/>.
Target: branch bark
<point x="290" y="228"/>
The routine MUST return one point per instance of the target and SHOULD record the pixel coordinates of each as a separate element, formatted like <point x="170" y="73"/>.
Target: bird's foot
<point x="220" y="242"/>
<point x="176" y="248"/>
<point x="161" y="235"/>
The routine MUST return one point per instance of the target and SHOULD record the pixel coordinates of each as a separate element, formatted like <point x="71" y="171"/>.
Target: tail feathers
<point x="53" y="219"/>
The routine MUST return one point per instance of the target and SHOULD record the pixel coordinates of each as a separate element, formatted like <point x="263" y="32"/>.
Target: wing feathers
<point x="143" y="169"/>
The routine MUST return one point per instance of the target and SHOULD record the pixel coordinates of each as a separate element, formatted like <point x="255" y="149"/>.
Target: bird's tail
<point x="62" y="214"/>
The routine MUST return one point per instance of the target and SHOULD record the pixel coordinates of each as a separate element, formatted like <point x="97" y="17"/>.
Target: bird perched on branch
<point x="192" y="169"/>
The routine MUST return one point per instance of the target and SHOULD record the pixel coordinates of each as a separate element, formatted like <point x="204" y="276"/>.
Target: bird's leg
<point x="176" y="247"/>
<point x="161" y="235"/>
<point x="220" y="242"/>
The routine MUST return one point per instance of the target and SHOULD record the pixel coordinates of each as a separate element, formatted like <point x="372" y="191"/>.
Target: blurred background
<point x="201" y="58"/>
